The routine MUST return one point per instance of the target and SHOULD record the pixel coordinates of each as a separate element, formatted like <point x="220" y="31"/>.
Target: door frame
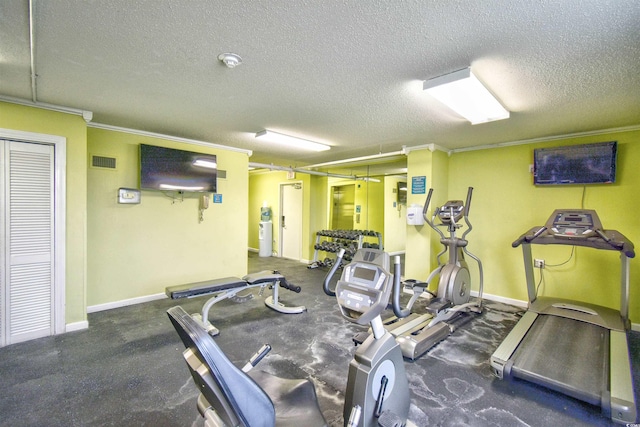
<point x="280" y="225"/>
<point x="59" y="144"/>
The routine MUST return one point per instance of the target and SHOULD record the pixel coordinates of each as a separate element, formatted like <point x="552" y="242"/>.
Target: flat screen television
<point x="168" y="169"/>
<point x="575" y="164"/>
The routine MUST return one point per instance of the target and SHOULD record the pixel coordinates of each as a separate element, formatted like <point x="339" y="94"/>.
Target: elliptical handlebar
<point x="467" y="206"/>
<point x="395" y="295"/>
<point x="426" y="206"/>
<point x="431" y="221"/>
<point x="330" y="274"/>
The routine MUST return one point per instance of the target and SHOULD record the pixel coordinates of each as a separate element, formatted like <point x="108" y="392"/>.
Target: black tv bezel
<point x="578" y="152"/>
<point x="172" y="161"/>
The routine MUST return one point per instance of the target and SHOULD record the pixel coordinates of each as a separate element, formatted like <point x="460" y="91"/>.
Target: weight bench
<point x="229" y="287"/>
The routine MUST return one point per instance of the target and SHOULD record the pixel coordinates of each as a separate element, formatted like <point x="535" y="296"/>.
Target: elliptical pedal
<point x="389" y="419"/>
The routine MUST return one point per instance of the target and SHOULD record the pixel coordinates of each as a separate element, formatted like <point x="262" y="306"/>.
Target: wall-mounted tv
<point x="168" y="169"/>
<point x="575" y="164"/>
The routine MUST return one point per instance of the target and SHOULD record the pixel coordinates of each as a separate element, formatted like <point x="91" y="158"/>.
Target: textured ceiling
<point x="348" y="73"/>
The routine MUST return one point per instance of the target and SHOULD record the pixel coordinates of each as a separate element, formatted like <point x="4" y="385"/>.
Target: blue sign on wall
<point x="419" y="185"/>
<point x="217" y="198"/>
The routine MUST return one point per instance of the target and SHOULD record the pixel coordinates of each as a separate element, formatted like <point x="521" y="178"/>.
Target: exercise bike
<point x="377" y="387"/>
<point x="377" y="391"/>
<point x="417" y="333"/>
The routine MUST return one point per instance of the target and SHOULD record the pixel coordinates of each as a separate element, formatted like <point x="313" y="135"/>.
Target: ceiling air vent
<point x="103" y="162"/>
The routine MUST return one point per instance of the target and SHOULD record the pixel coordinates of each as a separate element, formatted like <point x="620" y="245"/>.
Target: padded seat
<point x="253" y="399"/>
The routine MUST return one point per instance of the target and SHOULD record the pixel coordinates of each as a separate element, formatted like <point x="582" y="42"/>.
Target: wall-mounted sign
<point x="419" y="185"/>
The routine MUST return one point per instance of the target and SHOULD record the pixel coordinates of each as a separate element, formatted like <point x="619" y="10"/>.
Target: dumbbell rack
<point x="331" y="241"/>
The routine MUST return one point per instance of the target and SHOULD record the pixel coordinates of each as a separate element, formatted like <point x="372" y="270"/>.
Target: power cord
<point x="573" y="249"/>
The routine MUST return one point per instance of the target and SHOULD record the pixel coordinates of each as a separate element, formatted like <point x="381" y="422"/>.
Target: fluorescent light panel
<point x="466" y="95"/>
<point x="291" y="141"/>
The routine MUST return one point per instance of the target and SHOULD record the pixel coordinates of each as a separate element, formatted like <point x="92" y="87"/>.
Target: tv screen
<point x="167" y="169"/>
<point x="575" y="164"/>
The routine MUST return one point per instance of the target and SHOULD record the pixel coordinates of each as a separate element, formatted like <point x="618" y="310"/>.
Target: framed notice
<point x="419" y="185"/>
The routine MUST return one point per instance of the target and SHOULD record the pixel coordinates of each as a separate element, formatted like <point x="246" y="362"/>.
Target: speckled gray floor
<point x="127" y="368"/>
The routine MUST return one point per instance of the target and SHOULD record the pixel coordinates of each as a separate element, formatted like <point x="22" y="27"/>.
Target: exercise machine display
<point x="377" y="387"/>
<point x="377" y="391"/>
<point x="448" y="307"/>
<point x="230" y="287"/>
<point x="572" y="347"/>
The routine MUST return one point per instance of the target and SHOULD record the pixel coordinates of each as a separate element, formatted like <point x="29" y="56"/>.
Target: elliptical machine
<point x="377" y="387"/>
<point x="417" y="333"/>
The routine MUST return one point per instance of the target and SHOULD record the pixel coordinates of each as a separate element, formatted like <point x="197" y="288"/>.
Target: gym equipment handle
<point x="426" y="205"/>
<point x="285" y="284"/>
<point x="383" y="387"/>
<point x="628" y="250"/>
<point x="329" y="276"/>
<point x="467" y="204"/>
<point x="395" y="297"/>
<point x="624" y="246"/>
<point x="527" y="238"/>
<point x="257" y="357"/>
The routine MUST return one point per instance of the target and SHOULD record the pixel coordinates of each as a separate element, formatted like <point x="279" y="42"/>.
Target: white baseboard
<point x="124" y="303"/>
<point x="497" y="298"/>
<point x="76" y="326"/>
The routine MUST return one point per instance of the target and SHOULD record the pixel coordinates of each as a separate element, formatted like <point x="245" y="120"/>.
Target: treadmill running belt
<point x="565" y="355"/>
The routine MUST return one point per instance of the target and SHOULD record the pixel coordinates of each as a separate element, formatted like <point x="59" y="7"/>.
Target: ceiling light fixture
<point x="466" y="95"/>
<point x="291" y="141"/>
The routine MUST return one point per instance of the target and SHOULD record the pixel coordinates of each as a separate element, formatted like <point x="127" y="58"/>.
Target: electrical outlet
<point x="538" y="263"/>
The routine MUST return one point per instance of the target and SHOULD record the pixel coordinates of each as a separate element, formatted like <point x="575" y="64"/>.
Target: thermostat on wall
<point x="128" y="195"/>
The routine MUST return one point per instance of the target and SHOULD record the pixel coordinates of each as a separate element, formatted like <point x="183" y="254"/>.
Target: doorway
<point x="291" y="221"/>
<point x="32" y="235"/>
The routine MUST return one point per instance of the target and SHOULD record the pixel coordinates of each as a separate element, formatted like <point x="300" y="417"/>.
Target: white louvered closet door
<point x="27" y="276"/>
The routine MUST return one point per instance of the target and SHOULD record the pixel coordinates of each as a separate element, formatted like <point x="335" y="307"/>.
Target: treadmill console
<point x="573" y="224"/>
<point x="452" y="209"/>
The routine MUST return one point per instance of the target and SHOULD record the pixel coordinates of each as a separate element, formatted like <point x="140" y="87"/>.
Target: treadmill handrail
<point x="604" y="239"/>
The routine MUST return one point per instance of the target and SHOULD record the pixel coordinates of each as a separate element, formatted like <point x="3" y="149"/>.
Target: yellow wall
<point x="73" y="128"/>
<point x="318" y="215"/>
<point x="138" y="250"/>
<point x="395" y="216"/>
<point x="422" y="241"/>
<point x="506" y="204"/>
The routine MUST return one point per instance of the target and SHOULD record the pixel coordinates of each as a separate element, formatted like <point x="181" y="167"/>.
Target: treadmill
<point x="599" y="369"/>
